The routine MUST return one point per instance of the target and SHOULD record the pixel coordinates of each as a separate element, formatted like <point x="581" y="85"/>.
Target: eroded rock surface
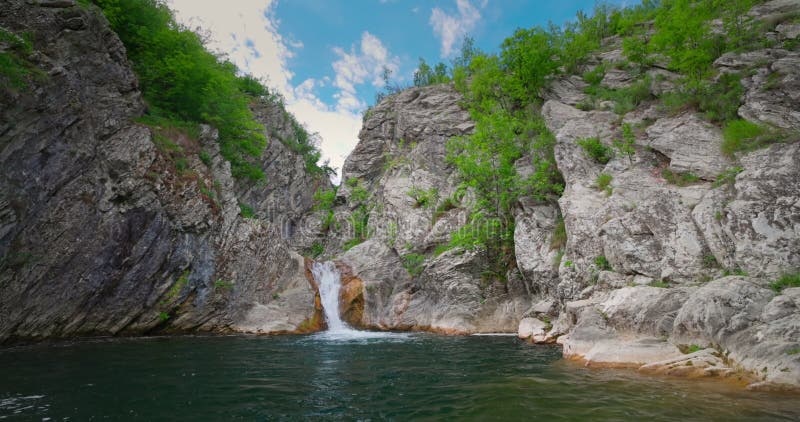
<point x="100" y="233"/>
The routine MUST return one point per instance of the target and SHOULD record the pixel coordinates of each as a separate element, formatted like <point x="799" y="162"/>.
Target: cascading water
<point x="329" y="282"/>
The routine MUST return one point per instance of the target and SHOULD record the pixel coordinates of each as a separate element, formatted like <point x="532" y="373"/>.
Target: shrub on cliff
<point x="181" y="80"/>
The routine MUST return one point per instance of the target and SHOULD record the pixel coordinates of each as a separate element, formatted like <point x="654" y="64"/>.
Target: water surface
<point x="374" y="376"/>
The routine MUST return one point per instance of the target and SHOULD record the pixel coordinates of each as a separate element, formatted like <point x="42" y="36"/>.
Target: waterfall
<point x="329" y="282"/>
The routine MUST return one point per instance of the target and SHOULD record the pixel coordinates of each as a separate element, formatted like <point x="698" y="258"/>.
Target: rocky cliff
<point x="661" y="258"/>
<point x="674" y="256"/>
<point x="109" y="226"/>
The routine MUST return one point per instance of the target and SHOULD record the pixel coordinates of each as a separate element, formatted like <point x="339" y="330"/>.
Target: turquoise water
<point x="400" y="377"/>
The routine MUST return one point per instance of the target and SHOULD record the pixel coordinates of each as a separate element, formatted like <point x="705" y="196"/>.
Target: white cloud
<point x="360" y="66"/>
<point x="452" y="28"/>
<point x="247" y="31"/>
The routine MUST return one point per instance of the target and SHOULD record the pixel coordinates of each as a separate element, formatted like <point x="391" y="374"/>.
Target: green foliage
<point x="357" y="191"/>
<point x="720" y="100"/>
<point x="391" y="234"/>
<point x="359" y="217"/>
<point x="306" y="145"/>
<point x="223" y="285"/>
<point x="422" y="197"/>
<point x="486" y="161"/>
<point x="205" y="158"/>
<point x="449" y="203"/>
<point x="426" y="75"/>
<point x="324" y="201"/>
<point x="595" y="76"/>
<point x="181" y="80"/>
<point x="743" y="135"/>
<point x="625" y="99"/>
<point x="567" y="263"/>
<point x="414" y="264"/>
<point x="559" y="238"/>
<point x="16" y="71"/>
<point x="679" y="179"/>
<point x="316" y="250"/>
<point x="602" y="263"/>
<point x="786" y="280"/>
<point x="710" y="261"/>
<point x="163" y="316"/>
<point x="603" y="182"/>
<point x="692" y="348"/>
<point x="683" y="35"/>
<point x="793" y="351"/>
<point x="625" y="146"/>
<point x="253" y="86"/>
<point x="527" y="56"/>
<point x="727" y="177"/>
<point x="246" y="211"/>
<point x="596" y="150"/>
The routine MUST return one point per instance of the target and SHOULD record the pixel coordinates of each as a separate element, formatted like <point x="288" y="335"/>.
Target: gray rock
<point x="99" y="233"/>
<point x="286" y="197"/>
<point x="536" y="258"/>
<point x="691" y="144"/>
<point x="755" y="225"/>
<point x="772" y="93"/>
<point x="567" y="90"/>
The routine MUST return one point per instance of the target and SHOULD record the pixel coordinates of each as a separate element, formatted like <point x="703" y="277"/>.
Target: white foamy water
<point x="329" y="282"/>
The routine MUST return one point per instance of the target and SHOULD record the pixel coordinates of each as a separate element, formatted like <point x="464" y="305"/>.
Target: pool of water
<point x="366" y="377"/>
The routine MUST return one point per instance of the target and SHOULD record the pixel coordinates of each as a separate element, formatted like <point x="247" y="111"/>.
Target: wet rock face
<point x="99" y="232"/>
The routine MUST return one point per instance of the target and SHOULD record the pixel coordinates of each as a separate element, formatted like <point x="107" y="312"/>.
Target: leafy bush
<point x="720" y="100"/>
<point x="602" y="263"/>
<point x="16" y="72"/>
<point x="727" y="177"/>
<point x="181" y="80"/>
<point x="625" y="146"/>
<point x="324" y="201"/>
<point x="316" y="249"/>
<point x="603" y="182"/>
<point x="414" y="264"/>
<point x="710" y="261"/>
<point x="625" y="99"/>
<point x="205" y="158"/>
<point x="422" y="197"/>
<point x="596" y="150"/>
<point x="357" y="191"/>
<point x="449" y="203"/>
<point x="595" y="76"/>
<point x="425" y="75"/>
<point x="743" y="135"/>
<point x="692" y="348"/>
<point x="246" y="211"/>
<point x="787" y="280"/>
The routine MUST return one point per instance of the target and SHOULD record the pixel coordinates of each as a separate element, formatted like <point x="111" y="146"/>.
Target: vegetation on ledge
<point x="183" y="82"/>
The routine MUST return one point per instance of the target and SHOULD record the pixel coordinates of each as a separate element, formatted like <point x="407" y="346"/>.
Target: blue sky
<point x="326" y="56"/>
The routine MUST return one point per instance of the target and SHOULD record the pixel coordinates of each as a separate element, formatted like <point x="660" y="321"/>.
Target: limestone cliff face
<point x="100" y="232"/>
<point x="687" y="238"/>
<point x="401" y="158"/>
<point x="737" y="215"/>
<point x="286" y="195"/>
